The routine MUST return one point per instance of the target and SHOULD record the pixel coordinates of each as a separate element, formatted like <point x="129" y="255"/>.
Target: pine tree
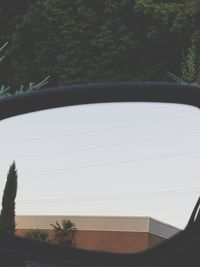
<point x="7" y="219"/>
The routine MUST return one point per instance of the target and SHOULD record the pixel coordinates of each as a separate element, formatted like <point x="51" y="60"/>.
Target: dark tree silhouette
<point x="7" y="218"/>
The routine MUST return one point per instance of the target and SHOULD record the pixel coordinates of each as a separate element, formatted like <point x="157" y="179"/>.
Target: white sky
<point x="131" y="159"/>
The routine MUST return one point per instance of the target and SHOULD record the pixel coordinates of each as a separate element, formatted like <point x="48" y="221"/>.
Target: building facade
<point x="105" y="233"/>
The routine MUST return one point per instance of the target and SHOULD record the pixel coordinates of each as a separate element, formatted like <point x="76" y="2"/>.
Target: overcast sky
<point x="136" y="159"/>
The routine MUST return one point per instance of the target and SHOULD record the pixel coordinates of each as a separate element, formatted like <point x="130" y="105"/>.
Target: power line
<point x="118" y="197"/>
<point x="101" y="147"/>
<point x="94" y="131"/>
<point x="114" y="162"/>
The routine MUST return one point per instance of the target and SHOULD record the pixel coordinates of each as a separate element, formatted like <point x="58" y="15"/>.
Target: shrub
<point x="37" y="235"/>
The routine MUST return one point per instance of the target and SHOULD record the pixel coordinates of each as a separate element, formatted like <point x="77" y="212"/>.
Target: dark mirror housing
<point x="180" y="250"/>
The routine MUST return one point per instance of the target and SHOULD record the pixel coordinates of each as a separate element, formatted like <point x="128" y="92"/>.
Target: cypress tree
<point x="7" y="219"/>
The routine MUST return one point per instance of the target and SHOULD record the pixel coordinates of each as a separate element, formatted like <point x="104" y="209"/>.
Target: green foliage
<point x="7" y="218"/>
<point x="74" y="41"/>
<point x="1" y="49"/>
<point x="179" y="16"/>
<point x="65" y="233"/>
<point x="5" y="90"/>
<point x="190" y="71"/>
<point x="9" y="11"/>
<point x="32" y="86"/>
<point x="83" y="41"/>
<point x="37" y="235"/>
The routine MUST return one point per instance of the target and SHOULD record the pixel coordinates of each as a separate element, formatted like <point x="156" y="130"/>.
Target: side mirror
<point x="124" y="172"/>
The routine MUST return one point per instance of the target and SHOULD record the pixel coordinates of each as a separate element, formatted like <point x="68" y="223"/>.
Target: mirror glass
<point x="126" y="174"/>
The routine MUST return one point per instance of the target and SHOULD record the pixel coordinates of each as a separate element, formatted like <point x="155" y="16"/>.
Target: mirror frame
<point x="99" y="93"/>
<point x="180" y="250"/>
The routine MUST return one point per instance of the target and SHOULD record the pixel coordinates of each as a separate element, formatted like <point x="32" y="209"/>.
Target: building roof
<point x="100" y="223"/>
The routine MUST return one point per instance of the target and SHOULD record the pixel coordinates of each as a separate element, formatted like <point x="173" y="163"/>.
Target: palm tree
<point x="65" y="233"/>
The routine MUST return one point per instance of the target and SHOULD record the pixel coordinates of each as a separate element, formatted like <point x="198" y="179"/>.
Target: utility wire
<point x="114" y="162"/>
<point x="117" y="197"/>
<point x="94" y="131"/>
<point x="93" y="148"/>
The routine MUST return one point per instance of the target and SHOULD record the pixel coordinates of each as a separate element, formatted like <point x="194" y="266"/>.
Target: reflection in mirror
<point x="126" y="174"/>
